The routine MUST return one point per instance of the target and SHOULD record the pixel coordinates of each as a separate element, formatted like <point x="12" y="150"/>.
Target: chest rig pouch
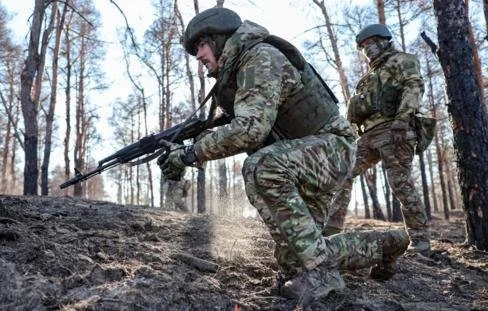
<point x="364" y="102"/>
<point x="373" y="95"/>
<point x="300" y="115"/>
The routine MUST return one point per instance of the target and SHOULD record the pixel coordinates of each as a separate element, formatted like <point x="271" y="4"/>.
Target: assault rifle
<point x="150" y="146"/>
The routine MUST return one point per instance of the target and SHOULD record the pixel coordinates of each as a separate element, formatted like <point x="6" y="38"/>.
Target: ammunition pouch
<point x="388" y="99"/>
<point x="359" y="109"/>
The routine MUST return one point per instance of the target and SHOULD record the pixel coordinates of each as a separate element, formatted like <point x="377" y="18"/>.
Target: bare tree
<point x="370" y="177"/>
<point x="201" y="206"/>
<point x="380" y="8"/>
<point x="31" y="71"/>
<point x="476" y="56"/>
<point x="337" y="61"/>
<point x="367" y="213"/>
<point x="53" y="96"/>
<point x="485" y="12"/>
<point x="10" y="68"/>
<point x="67" y="50"/>
<point x="83" y="52"/>
<point x="469" y="119"/>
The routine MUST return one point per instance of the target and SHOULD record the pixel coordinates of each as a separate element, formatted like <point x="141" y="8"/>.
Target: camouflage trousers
<point x="374" y="146"/>
<point x="292" y="183"/>
<point x="177" y="196"/>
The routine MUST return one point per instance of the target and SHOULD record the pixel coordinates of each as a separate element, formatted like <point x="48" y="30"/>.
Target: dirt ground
<point x="60" y="253"/>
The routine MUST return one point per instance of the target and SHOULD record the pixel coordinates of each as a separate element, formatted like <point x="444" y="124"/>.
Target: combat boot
<point x="395" y="243"/>
<point x="312" y="285"/>
<point x="419" y="242"/>
<point x="421" y="247"/>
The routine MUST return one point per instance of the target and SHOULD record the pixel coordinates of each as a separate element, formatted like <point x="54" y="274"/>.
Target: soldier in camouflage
<point x="177" y="193"/>
<point x="384" y="107"/>
<point x="300" y="151"/>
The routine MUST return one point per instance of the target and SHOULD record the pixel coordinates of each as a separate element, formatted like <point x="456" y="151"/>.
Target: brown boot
<point x="395" y="243"/>
<point x="311" y="285"/>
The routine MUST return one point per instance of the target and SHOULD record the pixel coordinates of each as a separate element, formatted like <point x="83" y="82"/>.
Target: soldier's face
<point x="206" y="56"/>
<point x="372" y="47"/>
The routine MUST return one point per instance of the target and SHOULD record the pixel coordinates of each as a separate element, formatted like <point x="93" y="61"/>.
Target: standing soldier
<point x="300" y="151"/>
<point x="177" y="194"/>
<point x="385" y="107"/>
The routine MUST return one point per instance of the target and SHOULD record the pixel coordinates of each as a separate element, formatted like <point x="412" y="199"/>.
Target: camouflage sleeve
<point x="255" y="107"/>
<point x="412" y="87"/>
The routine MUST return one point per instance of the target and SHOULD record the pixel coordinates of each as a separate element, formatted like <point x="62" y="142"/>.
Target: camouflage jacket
<point x="391" y="90"/>
<point x="264" y="81"/>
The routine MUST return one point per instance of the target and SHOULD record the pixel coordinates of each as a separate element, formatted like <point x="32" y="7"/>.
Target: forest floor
<point x="61" y="253"/>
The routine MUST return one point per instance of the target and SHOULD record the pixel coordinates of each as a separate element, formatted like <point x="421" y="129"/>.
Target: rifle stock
<point x="150" y="146"/>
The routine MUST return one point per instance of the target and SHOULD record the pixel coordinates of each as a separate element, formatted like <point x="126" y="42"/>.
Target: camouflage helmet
<point x="373" y="30"/>
<point x="214" y="21"/>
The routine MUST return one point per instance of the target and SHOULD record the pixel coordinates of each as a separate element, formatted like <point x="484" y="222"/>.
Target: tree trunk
<point x="380" y="8"/>
<point x="78" y="152"/>
<point x="450" y="186"/>
<point x="67" y="134"/>
<point x="371" y="182"/>
<point x="401" y="23"/>
<point x="387" y="192"/>
<point x="468" y="116"/>
<point x="335" y="49"/>
<point x="485" y="11"/>
<point x="440" y="163"/>
<point x="432" y="183"/>
<point x="476" y="56"/>
<point x="396" y="214"/>
<point x="201" y="191"/>
<point x="201" y="203"/>
<point x="52" y="102"/>
<point x="29" y="107"/>
<point x="433" y="106"/>
<point x="425" y="186"/>
<point x="367" y="214"/>
<point x="223" y="186"/>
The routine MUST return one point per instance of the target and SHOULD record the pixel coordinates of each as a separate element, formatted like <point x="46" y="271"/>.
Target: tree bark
<point x="396" y="213"/>
<point x="29" y="106"/>
<point x="387" y="193"/>
<point x="367" y="214"/>
<point x="469" y="119"/>
<point x="67" y="134"/>
<point x="440" y="164"/>
<point x="430" y="96"/>
<point x="380" y="8"/>
<point x="425" y="187"/>
<point x="335" y="50"/>
<point x="201" y="207"/>
<point x="371" y="182"/>
<point x="52" y="101"/>
<point x="476" y="56"/>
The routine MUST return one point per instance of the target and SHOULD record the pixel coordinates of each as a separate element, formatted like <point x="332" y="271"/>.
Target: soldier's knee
<point x="249" y="169"/>
<point x="270" y="170"/>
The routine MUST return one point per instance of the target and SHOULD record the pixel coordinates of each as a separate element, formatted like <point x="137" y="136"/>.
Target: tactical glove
<point x="174" y="162"/>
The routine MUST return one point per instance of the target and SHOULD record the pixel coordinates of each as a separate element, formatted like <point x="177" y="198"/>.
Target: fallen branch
<point x="200" y="264"/>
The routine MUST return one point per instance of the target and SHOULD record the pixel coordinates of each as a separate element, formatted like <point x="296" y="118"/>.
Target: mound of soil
<point x="73" y="254"/>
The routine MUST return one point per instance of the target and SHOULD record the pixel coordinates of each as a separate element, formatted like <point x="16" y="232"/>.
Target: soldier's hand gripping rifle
<point x="150" y="146"/>
<point x="154" y="145"/>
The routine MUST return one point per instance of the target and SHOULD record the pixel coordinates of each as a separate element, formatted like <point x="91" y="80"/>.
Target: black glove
<point x="174" y="162"/>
